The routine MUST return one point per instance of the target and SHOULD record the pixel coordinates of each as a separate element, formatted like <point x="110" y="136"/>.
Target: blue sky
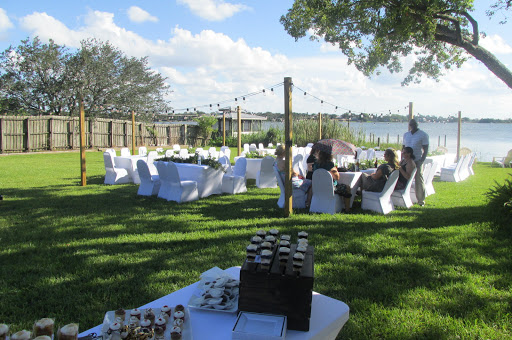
<point x="216" y="50"/>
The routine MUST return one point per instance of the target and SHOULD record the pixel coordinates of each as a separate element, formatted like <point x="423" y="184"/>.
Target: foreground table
<point x="209" y="180"/>
<point x="328" y="316"/>
<point x="253" y="167"/>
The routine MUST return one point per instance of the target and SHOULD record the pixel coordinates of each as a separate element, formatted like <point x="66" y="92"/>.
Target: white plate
<point x="186" y="331"/>
<point x="264" y="326"/>
<point x="209" y="275"/>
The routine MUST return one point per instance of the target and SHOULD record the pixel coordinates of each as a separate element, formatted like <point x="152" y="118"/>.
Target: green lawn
<point x="442" y="271"/>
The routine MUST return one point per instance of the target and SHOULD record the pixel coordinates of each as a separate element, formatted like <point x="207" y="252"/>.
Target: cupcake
<point x="159" y="333"/>
<point x="270" y="239"/>
<point x="274" y="232"/>
<point x="120" y="315"/>
<point x="134" y="322"/>
<point x="179" y="315"/>
<point x="4" y="330"/>
<point x="179" y="308"/>
<point x="284" y="243"/>
<point x="301" y="248"/>
<point x="136" y="313"/>
<point x="303" y="241"/>
<point x="286" y="238"/>
<point x="251" y="251"/>
<point x="145" y="323"/>
<point x="21" y="335"/>
<point x="266" y="257"/>
<point x="68" y="332"/>
<point x="261" y="233"/>
<point x="42" y="337"/>
<point x="266" y="246"/>
<point x="256" y="240"/>
<point x="284" y="253"/>
<point x="150" y="315"/>
<point x="167" y="310"/>
<point x="298" y="261"/>
<point x="303" y="234"/>
<point x="160" y="322"/>
<point x="178" y="323"/>
<point x="176" y="333"/>
<point x="43" y="327"/>
<point x="114" y="327"/>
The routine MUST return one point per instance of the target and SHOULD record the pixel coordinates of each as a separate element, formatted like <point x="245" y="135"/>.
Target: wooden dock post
<point x="83" y="174"/>
<point x="288" y="135"/>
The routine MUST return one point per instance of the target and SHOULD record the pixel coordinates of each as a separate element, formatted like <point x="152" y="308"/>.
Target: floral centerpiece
<point x="255" y="154"/>
<point x="193" y="159"/>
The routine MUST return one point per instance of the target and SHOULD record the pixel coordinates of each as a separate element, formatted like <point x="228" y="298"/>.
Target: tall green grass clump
<point x="500" y="202"/>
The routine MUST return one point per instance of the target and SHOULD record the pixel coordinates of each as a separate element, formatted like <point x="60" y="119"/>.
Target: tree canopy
<point x="378" y="33"/>
<point x="46" y="78"/>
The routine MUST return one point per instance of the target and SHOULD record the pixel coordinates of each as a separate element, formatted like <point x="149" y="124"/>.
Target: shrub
<point x="500" y="202"/>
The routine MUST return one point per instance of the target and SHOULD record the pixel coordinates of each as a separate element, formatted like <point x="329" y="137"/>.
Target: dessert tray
<point x="186" y="329"/>
<point x="216" y="291"/>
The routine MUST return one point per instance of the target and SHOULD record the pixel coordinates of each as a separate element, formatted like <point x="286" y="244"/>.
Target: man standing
<point x="418" y="140"/>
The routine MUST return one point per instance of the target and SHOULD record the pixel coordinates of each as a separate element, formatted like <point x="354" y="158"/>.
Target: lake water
<point x="488" y="140"/>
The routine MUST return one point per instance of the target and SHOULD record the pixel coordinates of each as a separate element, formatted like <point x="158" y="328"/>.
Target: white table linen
<point x="253" y="167"/>
<point x="129" y="163"/>
<point x="328" y="316"/>
<point x="443" y="161"/>
<point x="209" y="180"/>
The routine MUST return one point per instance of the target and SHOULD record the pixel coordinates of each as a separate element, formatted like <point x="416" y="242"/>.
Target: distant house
<point x="250" y="122"/>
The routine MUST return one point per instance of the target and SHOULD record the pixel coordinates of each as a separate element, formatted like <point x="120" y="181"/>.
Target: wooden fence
<point x="36" y="133"/>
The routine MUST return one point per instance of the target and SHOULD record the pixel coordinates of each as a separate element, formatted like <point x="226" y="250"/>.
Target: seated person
<point x="376" y="181"/>
<point x="407" y="166"/>
<point x="297" y="181"/>
<point x="324" y="161"/>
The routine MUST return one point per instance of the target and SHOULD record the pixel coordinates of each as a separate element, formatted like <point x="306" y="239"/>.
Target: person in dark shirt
<point x="376" y="181"/>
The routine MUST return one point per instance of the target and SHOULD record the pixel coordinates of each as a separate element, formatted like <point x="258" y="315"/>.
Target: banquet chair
<point x="352" y="180"/>
<point x="152" y="156"/>
<point x="172" y="188"/>
<point x="380" y="201"/>
<point x="266" y="178"/>
<point x="252" y="147"/>
<point x="464" y="170"/>
<point x="225" y="152"/>
<point x="451" y="173"/>
<point x="270" y="145"/>
<point x="298" y="165"/>
<point x="298" y="196"/>
<point x="246" y="147"/>
<point x="143" y="151"/>
<point x="176" y="147"/>
<point x="471" y="162"/>
<point x="370" y="154"/>
<point x="260" y="146"/>
<point x="114" y="175"/>
<point x="362" y="156"/>
<point x="169" y="153"/>
<point x="125" y="152"/>
<point x="234" y="183"/>
<point x="402" y="198"/>
<point x="224" y="160"/>
<point x="183" y="154"/>
<point x="149" y="183"/>
<point x="213" y="153"/>
<point x="358" y="152"/>
<point x="112" y="151"/>
<point x="324" y="199"/>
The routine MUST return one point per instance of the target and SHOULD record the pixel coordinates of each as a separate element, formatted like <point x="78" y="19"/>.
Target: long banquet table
<point x="209" y="180"/>
<point x="328" y="316"/>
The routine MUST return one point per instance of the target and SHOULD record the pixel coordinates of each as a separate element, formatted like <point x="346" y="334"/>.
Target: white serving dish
<point x="196" y="298"/>
<point x="186" y="331"/>
<point x="250" y="326"/>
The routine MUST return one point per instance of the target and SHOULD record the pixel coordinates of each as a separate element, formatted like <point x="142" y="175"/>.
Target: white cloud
<point x="5" y="23"/>
<point x="213" y="10"/>
<point x="495" y="44"/>
<point x="138" y="15"/>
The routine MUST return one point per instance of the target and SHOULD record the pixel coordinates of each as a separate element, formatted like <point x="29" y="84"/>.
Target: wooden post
<point x="72" y="128"/>
<point x="439" y="141"/>
<point x="411" y="114"/>
<point x="445" y="141"/>
<point x="27" y="134"/>
<point x="111" y="137"/>
<point x="223" y="128"/>
<point x="239" y="122"/>
<point x="288" y="136"/>
<point x="50" y="134"/>
<point x="83" y="175"/>
<point x="2" y="135"/>
<point x="133" y="132"/>
<point x="169" y="135"/>
<point x="378" y="142"/>
<point x="91" y="131"/>
<point x="387" y="139"/>
<point x="125" y="133"/>
<point x="397" y="139"/>
<point x="319" y="125"/>
<point x="458" y="134"/>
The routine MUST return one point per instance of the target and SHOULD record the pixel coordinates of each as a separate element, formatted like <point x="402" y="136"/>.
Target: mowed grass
<point x="442" y="271"/>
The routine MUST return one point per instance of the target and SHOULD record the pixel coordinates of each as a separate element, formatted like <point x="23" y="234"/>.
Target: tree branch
<point x="453" y="20"/>
<point x="474" y="23"/>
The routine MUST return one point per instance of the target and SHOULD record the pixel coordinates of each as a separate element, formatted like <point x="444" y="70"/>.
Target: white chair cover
<point x="266" y="177"/>
<point x="149" y="184"/>
<point x="270" y="145"/>
<point x="125" y="152"/>
<point x="171" y="188"/>
<point x="362" y="155"/>
<point x="471" y="162"/>
<point x="246" y="148"/>
<point x="169" y="153"/>
<point x="298" y="164"/>
<point x="176" y="147"/>
<point x="213" y="153"/>
<point x="451" y="173"/>
<point x="324" y="199"/>
<point x="298" y="196"/>
<point x="114" y="175"/>
<point x="152" y="156"/>
<point x="252" y="147"/>
<point x="402" y="198"/>
<point x="183" y="154"/>
<point x="380" y="201"/>
<point x="260" y="146"/>
<point x="143" y="151"/>
<point x="112" y="151"/>
<point x="353" y="180"/>
<point x="235" y="183"/>
<point x="370" y="154"/>
<point x="224" y="160"/>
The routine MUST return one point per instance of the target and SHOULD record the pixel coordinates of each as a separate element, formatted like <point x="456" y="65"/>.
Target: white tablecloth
<point x="443" y="161"/>
<point x="129" y="163"/>
<point x="328" y="316"/>
<point x="253" y="166"/>
<point x="209" y="180"/>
